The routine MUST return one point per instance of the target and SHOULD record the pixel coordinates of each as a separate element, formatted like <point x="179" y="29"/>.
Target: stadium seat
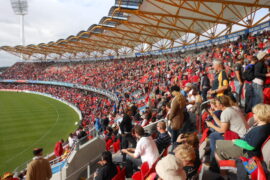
<point x="90" y="137"/>
<point x="227" y="164"/>
<point x="113" y="138"/>
<point x="266" y="94"/>
<point x="259" y="173"/>
<point x="249" y="115"/>
<point x="116" y="146"/>
<point x="230" y="135"/>
<point x="145" y="171"/>
<point x="121" y="175"/>
<point x="203" y="118"/>
<point x="139" y="175"/>
<point x="254" y="167"/>
<point x="109" y="144"/>
<point x="265" y="153"/>
<point x="204" y="135"/>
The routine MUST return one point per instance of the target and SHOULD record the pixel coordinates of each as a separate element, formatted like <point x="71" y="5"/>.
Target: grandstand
<point x="134" y="60"/>
<point x="3" y="69"/>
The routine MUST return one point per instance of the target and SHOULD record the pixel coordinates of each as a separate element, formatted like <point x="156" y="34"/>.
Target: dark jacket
<point x="256" y="137"/>
<point x="205" y="82"/>
<point x="260" y="70"/>
<point x="163" y="141"/>
<point x="126" y="124"/>
<point x="106" y="172"/>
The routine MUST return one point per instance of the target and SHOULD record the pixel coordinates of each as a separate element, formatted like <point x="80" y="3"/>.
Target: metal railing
<point x="92" y="132"/>
<point x="151" y="126"/>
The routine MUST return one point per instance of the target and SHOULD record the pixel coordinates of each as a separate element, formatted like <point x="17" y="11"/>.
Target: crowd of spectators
<point x="234" y="76"/>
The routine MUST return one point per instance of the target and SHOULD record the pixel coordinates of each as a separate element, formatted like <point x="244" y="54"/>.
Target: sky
<point x="48" y="20"/>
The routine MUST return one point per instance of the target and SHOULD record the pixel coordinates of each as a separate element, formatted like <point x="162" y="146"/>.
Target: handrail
<point x="149" y="126"/>
<point x="76" y="146"/>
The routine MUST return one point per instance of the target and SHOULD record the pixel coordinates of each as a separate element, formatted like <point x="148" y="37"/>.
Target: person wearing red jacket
<point x="58" y="149"/>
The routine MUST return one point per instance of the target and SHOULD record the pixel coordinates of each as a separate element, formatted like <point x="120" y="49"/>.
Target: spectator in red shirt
<point x="58" y="149"/>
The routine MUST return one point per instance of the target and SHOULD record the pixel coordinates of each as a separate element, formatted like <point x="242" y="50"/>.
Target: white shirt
<point x="190" y="98"/>
<point x="147" y="149"/>
<point x="236" y="120"/>
<point x="70" y="141"/>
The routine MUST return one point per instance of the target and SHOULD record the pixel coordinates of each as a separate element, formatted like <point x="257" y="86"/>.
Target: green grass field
<point x="28" y="121"/>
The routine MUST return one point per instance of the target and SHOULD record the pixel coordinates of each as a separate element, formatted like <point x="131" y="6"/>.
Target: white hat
<point x="261" y="55"/>
<point x="169" y="168"/>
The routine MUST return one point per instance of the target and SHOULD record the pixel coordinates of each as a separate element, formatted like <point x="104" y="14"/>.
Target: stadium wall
<point x="50" y="96"/>
<point x="81" y="161"/>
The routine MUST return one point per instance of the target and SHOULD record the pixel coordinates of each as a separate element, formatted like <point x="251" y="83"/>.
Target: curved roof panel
<point x="134" y="23"/>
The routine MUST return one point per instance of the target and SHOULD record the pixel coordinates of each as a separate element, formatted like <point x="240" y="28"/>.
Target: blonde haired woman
<point x="187" y="155"/>
<point x="250" y="144"/>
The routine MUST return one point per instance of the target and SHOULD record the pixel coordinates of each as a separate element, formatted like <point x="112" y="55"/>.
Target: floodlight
<point x="20" y="8"/>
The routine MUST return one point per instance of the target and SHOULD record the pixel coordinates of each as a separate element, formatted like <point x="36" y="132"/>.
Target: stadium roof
<point x="142" y="25"/>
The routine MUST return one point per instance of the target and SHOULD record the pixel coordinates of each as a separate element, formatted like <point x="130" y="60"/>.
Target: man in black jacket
<point x="108" y="169"/>
<point x="260" y="72"/>
<point x="126" y="127"/>
<point x="249" y="76"/>
<point x="238" y="79"/>
<point x="205" y="85"/>
<point x="82" y="136"/>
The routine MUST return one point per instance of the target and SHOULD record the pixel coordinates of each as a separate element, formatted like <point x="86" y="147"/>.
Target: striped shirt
<point x="163" y="141"/>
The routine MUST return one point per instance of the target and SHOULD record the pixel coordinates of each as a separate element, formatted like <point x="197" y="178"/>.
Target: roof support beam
<point x="93" y="44"/>
<point x="246" y="4"/>
<point x="131" y="32"/>
<point x="37" y="49"/>
<point x="110" y="43"/>
<point x="200" y="12"/>
<point x="85" y="47"/>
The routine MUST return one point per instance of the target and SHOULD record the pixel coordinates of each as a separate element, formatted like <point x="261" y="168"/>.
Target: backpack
<point x="248" y="74"/>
